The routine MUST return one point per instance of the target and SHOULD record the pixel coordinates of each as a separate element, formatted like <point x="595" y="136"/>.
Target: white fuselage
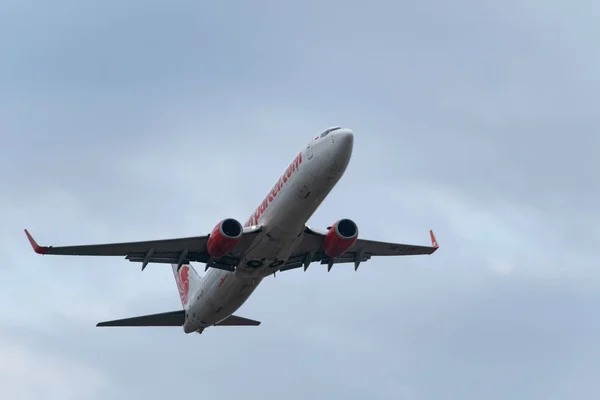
<point x="282" y="215"/>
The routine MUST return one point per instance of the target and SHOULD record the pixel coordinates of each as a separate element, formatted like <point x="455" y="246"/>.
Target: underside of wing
<point x="168" y="251"/>
<point x="310" y="250"/>
<point x="172" y="318"/>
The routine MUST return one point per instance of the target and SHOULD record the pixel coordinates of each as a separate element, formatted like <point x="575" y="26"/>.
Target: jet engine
<point x="224" y="237"/>
<point x="340" y="238"/>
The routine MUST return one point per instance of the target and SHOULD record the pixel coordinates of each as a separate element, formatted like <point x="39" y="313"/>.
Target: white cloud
<point x="476" y="120"/>
<point x="33" y="374"/>
<point x="502" y="267"/>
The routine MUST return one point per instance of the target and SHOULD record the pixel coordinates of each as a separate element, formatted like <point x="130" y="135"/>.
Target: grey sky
<point x="152" y="119"/>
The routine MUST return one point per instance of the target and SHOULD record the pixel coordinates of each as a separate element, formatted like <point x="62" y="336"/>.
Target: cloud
<point x="29" y="373"/>
<point x="475" y="119"/>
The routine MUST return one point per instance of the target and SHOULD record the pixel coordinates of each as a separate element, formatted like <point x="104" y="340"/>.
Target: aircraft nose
<point x="344" y="140"/>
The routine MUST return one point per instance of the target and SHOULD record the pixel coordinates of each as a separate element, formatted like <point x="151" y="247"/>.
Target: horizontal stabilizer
<point x="173" y="318"/>
<point x="234" y="320"/>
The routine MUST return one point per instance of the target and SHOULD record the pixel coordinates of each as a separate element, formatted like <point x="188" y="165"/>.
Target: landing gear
<point x="254" y="264"/>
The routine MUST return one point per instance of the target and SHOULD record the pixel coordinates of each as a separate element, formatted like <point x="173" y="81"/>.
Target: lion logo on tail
<point x="183" y="284"/>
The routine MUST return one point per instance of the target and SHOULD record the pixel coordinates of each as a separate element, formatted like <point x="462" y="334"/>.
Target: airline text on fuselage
<point x="283" y="179"/>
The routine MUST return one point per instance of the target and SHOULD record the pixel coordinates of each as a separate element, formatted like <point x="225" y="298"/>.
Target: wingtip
<point x="434" y="241"/>
<point x="36" y="247"/>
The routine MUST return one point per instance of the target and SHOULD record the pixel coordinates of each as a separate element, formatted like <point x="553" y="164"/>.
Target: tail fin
<point x="187" y="280"/>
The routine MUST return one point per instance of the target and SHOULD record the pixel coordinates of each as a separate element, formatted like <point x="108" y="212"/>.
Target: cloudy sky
<point x="153" y="119"/>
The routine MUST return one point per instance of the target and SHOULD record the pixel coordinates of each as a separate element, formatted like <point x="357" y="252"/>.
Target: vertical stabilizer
<point x="187" y="280"/>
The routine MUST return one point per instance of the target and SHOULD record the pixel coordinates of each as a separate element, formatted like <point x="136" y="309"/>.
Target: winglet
<point x="36" y="247"/>
<point x="434" y="242"/>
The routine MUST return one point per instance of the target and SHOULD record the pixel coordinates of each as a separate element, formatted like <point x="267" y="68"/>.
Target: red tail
<point x="187" y="280"/>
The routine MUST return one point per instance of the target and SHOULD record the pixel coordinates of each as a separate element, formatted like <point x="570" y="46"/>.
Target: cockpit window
<point x="330" y="130"/>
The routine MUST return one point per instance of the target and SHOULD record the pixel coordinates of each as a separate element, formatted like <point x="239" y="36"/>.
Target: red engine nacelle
<point x="224" y="237"/>
<point x="340" y="238"/>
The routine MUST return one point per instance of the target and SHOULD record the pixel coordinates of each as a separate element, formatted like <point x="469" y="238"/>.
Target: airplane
<point x="275" y="238"/>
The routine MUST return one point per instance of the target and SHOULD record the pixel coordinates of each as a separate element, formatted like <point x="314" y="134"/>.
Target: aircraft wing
<point x="170" y="251"/>
<point x="309" y="251"/>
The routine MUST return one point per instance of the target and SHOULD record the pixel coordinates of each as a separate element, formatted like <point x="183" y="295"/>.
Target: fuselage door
<point x="309" y="150"/>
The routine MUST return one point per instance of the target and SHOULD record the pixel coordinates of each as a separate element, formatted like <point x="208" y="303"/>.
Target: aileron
<point x="194" y="244"/>
<point x="362" y="250"/>
<point x="165" y="251"/>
